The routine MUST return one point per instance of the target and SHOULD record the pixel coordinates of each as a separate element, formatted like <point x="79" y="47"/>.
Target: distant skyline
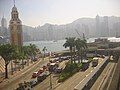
<point x="39" y="12"/>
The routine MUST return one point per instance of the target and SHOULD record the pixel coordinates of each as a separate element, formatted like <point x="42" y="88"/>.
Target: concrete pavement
<point x="24" y="75"/>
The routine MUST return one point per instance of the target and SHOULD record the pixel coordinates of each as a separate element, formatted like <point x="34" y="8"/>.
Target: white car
<point x="33" y="81"/>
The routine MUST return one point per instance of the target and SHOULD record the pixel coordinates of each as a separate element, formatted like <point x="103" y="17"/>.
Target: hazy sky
<point x="39" y="12"/>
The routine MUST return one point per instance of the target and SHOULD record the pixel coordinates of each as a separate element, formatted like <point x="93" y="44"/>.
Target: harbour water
<point x="50" y="45"/>
<point x="55" y="46"/>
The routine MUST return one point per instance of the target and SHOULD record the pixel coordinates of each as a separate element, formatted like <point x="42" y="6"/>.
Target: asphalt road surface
<point x="12" y="84"/>
<point x="69" y="84"/>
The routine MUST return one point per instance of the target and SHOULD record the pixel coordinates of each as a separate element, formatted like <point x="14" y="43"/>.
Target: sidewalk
<point x="16" y="73"/>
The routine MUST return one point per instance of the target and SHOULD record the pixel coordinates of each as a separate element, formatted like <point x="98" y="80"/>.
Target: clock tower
<point x="15" y="25"/>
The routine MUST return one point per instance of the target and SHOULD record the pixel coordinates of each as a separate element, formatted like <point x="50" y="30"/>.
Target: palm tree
<point x="14" y="58"/>
<point x="7" y="52"/>
<point x="27" y="53"/>
<point x="33" y="49"/>
<point x="70" y="42"/>
<point x="20" y="54"/>
<point x="81" y="45"/>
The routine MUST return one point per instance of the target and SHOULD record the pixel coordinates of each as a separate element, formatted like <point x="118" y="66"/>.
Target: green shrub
<point x="70" y="69"/>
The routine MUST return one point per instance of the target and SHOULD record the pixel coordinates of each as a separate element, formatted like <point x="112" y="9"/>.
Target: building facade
<point x="4" y="31"/>
<point x="15" y="25"/>
<point x="3" y="22"/>
<point x="98" y="31"/>
<point x="106" y="28"/>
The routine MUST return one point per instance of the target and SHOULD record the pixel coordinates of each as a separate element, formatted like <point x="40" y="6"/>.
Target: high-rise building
<point x="4" y="30"/>
<point x="3" y="22"/>
<point x="98" y="31"/>
<point x="116" y="27"/>
<point x="106" y="28"/>
<point x="15" y="25"/>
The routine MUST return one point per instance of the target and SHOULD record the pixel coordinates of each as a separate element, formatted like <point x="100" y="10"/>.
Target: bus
<point x="95" y="61"/>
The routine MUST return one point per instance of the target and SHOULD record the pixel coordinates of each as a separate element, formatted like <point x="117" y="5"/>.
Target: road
<point x="25" y="75"/>
<point x="103" y="76"/>
<point x="45" y="85"/>
<point x="76" y="79"/>
<point x="69" y="84"/>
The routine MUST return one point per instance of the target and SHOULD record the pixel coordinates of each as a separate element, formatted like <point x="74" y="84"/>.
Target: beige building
<point x="15" y="26"/>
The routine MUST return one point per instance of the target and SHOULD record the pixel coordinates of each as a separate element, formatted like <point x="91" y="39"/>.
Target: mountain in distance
<point x="75" y="29"/>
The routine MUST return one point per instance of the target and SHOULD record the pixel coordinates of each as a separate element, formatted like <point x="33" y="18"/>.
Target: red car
<point x="35" y="74"/>
<point x="41" y="70"/>
<point x="44" y="67"/>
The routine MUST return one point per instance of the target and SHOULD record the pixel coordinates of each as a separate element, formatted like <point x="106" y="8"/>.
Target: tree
<point x="30" y="51"/>
<point x="70" y="42"/>
<point x="33" y="50"/>
<point x="27" y="52"/>
<point x="7" y="52"/>
<point x="81" y="45"/>
<point x="21" y="56"/>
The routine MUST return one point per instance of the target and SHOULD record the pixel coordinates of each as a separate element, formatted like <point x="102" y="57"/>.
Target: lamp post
<point x="44" y="49"/>
<point x="50" y="74"/>
<point x="50" y="80"/>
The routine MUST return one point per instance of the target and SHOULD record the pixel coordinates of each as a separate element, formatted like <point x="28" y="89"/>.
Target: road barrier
<point x="114" y="84"/>
<point x="89" y="80"/>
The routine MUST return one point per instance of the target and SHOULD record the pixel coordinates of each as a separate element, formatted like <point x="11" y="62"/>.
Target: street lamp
<point x="50" y="73"/>
<point x="50" y="80"/>
<point x="44" y="49"/>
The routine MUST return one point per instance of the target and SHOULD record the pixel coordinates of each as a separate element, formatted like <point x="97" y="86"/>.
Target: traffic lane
<point x="46" y="83"/>
<point x="25" y="76"/>
<point x="75" y="79"/>
<point x="70" y="83"/>
<point x="102" y="76"/>
<point x="90" y="75"/>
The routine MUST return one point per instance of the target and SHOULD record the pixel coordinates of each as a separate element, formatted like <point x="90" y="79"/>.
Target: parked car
<point x="33" y="82"/>
<point x="44" y="67"/>
<point x="41" y="77"/>
<point x="35" y="59"/>
<point x="58" y="70"/>
<point x="85" y="65"/>
<point x="41" y="70"/>
<point x="46" y="73"/>
<point x="56" y="59"/>
<point x="53" y="66"/>
<point x="35" y="74"/>
<point x="24" y="86"/>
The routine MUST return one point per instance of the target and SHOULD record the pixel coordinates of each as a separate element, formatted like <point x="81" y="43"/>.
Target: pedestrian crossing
<point x="2" y="65"/>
